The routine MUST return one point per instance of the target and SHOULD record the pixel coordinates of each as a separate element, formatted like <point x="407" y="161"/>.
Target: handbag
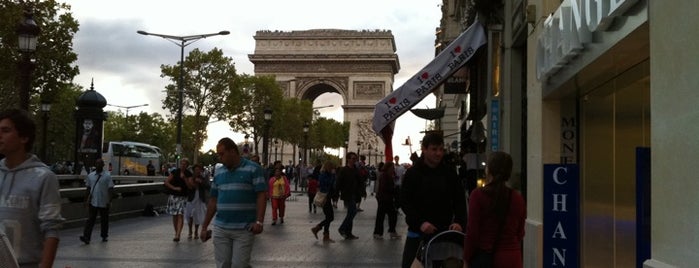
<point x="320" y="199"/>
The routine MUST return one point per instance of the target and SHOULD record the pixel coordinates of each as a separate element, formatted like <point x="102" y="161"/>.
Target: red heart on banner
<point x="457" y="49"/>
<point x="392" y="100"/>
<point x="425" y="75"/>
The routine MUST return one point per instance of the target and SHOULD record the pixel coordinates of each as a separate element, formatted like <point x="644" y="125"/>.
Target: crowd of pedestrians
<point x="229" y="206"/>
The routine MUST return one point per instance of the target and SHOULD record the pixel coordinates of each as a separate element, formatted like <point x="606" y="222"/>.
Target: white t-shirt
<point x="400" y="171"/>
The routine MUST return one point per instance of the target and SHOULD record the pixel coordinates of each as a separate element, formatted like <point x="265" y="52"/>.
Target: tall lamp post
<point x="369" y="148"/>
<point x="346" y="147"/>
<point x="305" y="143"/>
<point x="276" y="144"/>
<point x="376" y="156"/>
<point x="265" y="141"/>
<point x="182" y="41"/>
<point x="45" y="109"/>
<point x="359" y="148"/>
<point x="27" y="32"/>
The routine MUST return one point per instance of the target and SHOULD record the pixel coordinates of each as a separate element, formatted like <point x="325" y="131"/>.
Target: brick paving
<point x="147" y="242"/>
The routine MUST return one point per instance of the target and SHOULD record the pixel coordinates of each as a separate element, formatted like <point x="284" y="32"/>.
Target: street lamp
<point x="265" y="142"/>
<point x="305" y="142"/>
<point x="346" y="146"/>
<point x="52" y="153"/>
<point x="246" y="147"/>
<point x="128" y="107"/>
<point x="183" y="41"/>
<point x="369" y="149"/>
<point x="276" y="144"/>
<point x="359" y="148"/>
<point x="27" y="33"/>
<point x="45" y="108"/>
<point x="376" y="156"/>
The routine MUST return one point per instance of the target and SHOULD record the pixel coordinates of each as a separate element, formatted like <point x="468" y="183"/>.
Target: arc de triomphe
<point x="358" y="65"/>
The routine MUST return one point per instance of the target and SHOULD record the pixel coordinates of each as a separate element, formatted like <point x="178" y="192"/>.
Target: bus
<point x="130" y="158"/>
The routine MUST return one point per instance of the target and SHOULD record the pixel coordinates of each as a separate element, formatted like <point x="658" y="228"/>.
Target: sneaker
<point x="85" y="240"/>
<point x="274" y="222"/>
<point x="343" y="234"/>
<point x="104" y="239"/>
<point x="378" y="236"/>
<point x="281" y="221"/>
<point x="394" y="235"/>
<point x="351" y="237"/>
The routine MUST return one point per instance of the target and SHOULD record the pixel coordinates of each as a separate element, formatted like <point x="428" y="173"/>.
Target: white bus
<point x="130" y="158"/>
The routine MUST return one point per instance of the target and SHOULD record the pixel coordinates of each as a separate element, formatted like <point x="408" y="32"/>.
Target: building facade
<point x="599" y="97"/>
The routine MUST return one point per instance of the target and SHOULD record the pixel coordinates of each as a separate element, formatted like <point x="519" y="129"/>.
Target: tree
<point x="61" y="125"/>
<point x="245" y="105"/>
<point x="208" y="79"/>
<point x="54" y="56"/>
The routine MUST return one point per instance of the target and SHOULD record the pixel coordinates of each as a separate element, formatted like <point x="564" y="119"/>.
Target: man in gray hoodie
<point x="30" y="203"/>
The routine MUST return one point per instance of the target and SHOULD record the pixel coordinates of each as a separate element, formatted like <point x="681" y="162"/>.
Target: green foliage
<point x="60" y="125"/>
<point x="146" y="128"/>
<point x="208" y="81"/>
<point x="54" y="56"/>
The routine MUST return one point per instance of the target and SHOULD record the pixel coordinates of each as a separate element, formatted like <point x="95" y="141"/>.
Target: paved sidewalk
<point x="147" y="242"/>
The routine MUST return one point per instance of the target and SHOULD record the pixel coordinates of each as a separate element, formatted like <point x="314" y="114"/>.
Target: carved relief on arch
<point x="368" y="90"/>
<point x="366" y="134"/>
<point x="339" y="83"/>
<point x="284" y="85"/>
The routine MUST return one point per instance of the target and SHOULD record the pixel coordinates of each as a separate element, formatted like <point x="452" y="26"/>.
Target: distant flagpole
<point x="453" y="57"/>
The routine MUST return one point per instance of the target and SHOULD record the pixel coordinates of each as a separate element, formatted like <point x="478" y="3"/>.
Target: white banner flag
<point x="426" y="80"/>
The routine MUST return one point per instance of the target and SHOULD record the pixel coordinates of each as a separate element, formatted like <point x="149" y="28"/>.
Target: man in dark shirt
<point x="348" y="184"/>
<point x="431" y="197"/>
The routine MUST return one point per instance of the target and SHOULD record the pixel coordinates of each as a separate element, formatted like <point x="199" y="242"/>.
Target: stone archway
<point x="358" y="65"/>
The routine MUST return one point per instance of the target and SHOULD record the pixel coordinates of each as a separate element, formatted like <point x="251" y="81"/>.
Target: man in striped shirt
<point x="238" y="199"/>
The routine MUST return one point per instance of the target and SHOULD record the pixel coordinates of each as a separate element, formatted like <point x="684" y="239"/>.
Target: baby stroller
<point x="443" y="250"/>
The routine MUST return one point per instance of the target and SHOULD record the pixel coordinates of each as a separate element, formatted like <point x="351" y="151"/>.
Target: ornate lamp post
<point x="346" y="146"/>
<point x="376" y="156"/>
<point x="369" y="149"/>
<point x="183" y="42"/>
<point x="306" y="126"/>
<point x="265" y="142"/>
<point x="27" y="32"/>
<point x="45" y="109"/>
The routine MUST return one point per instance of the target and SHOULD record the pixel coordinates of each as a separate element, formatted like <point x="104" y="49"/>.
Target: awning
<point x="420" y="85"/>
<point x="429" y="114"/>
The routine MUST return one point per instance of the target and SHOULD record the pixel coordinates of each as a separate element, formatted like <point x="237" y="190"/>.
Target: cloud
<point x="126" y="65"/>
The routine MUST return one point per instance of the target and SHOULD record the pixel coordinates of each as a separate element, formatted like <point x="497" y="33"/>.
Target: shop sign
<point x="566" y="31"/>
<point x="494" y="125"/>
<point x="561" y="215"/>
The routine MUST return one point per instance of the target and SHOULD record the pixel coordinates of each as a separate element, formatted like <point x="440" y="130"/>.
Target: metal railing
<point x="133" y="193"/>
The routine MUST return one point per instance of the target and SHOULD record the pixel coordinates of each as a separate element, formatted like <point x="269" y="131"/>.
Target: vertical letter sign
<point x="561" y="215"/>
<point x="494" y="125"/>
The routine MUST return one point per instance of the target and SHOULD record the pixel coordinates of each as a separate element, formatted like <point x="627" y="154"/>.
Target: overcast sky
<point x="126" y="66"/>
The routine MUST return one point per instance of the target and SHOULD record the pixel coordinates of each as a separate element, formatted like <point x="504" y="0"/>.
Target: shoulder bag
<point x="320" y="199"/>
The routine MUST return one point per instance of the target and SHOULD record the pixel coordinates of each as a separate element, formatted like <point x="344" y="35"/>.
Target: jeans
<point x="232" y="248"/>
<point x="346" y="226"/>
<point x="329" y="216"/>
<point x="92" y="217"/>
